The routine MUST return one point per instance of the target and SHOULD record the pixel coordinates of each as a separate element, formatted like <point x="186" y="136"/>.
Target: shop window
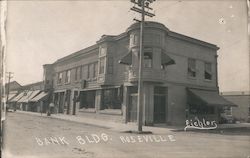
<point x="208" y="71"/>
<point x="191" y="67"/>
<point x="110" y="65"/>
<point x="148" y="59"/>
<point x="112" y="98"/>
<point x="59" y="78"/>
<point x="87" y="99"/>
<point x="201" y="109"/>
<point x="228" y="111"/>
<point x="67" y="78"/>
<point x="102" y="65"/>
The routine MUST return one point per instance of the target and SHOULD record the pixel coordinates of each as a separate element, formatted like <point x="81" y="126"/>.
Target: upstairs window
<point x="110" y="65"/>
<point x="208" y="71"/>
<point x="102" y="65"/>
<point x="148" y="59"/>
<point x="95" y="69"/>
<point x="59" y="78"/>
<point x="191" y="67"/>
<point x="67" y="78"/>
<point x="91" y="71"/>
<point x="77" y="73"/>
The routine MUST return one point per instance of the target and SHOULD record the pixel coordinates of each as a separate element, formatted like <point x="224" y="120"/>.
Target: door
<point x="160" y="105"/>
<point x="74" y="102"/>
<point x="132" y="108"/>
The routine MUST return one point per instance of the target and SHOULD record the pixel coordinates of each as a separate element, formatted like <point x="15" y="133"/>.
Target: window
<point x="110" y="65"/>
<point x="201" y="109"/>
<point x="208" y="71"/>
<point x="102" y="65"/>
<point x="87" y="99"/>
<point x="67" y="78"/>
<point x="103" y="51"/>
<point x="249" y="111"/>
<point x="228" y="111"/>
<point x="77" y="73"/>
<point x="90" y="70"/>
<point x="59" y="78"/>
<point x="191" y="68"/>
<point x="148" y="58"/>
<point x="84" y="71"/>
<point x="111" y="98"/>
<point x="95" y="69"/>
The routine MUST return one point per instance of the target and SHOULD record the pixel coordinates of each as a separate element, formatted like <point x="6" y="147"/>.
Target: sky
<point x="40" y="32"/>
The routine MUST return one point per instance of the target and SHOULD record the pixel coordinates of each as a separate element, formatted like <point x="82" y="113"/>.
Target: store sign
<point x="200" y="124"/>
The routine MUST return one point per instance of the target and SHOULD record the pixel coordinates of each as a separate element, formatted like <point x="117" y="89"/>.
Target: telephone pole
<point x="139" y="7"/>
<point x="9" y="75"/>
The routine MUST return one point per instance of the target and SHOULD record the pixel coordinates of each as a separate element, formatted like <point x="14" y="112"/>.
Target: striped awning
<point x="39" y="97"/>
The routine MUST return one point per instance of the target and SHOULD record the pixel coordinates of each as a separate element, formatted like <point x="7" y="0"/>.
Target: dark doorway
<point x="74" y="101"/>
<point x="160" y="104"/>
<point x="132" y="106"/>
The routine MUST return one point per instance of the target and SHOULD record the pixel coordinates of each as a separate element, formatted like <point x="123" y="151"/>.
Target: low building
<point x="31" y="97"/>
<point x="101" y="81"/>
<point x="242" y="99"/>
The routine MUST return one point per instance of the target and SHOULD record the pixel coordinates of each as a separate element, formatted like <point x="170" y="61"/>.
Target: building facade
<point x="179" y="74"/>
<point x="242" y="99"/>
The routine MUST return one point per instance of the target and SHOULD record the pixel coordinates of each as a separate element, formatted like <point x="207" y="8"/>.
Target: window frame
<point x="59" y="79"/>
<point x="207" y="71"/>
<point x="67" y="76"/>
<point x="191" y="69"/>
<point x="150" y="59"/>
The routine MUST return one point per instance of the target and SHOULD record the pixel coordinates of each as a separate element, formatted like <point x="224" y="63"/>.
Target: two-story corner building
<point x="179" y="74"/>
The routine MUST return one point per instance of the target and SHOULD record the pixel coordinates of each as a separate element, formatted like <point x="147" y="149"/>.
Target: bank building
<point x="180" y="79"/>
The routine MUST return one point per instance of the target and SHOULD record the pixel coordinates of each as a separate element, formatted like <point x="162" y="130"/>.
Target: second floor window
<point x="77" y="73"/>
<point x="95" y="69"/>
<point x="67" y="77"/>
<point x="101" y="65"/>
<point x="191" y="68"/>
<point x="208" y="71"/>
<point x="59" y="78"/>
<point x="148" y="59"/>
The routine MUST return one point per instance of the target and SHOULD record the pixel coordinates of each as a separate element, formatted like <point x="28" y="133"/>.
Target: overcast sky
<point x="40" y="32"/>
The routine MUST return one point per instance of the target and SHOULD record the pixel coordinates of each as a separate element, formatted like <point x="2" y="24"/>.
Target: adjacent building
<point x="179" y="74"/>
<point x="242" y="99"/>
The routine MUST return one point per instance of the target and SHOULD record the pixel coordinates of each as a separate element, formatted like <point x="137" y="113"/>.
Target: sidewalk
<point x="122" y="127"/>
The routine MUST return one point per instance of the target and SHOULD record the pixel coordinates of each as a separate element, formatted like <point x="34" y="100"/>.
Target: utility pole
<point x="141" y="5"/>
<point x="9" y="75"/>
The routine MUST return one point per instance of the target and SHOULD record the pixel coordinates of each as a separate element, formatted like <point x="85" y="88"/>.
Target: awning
<point x="127" y="59"/>
<point x="207" y="97"/>
<point x="32" y="95"/>
<point x="25" y="97"/>
<point x="18" y="97"/>
<point x="166" y="60"/>
<point x="11" y="96"/>
<point x="39" y="97"/>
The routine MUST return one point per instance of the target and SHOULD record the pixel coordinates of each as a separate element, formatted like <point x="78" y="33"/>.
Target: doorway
<point x="160" y="96"/>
